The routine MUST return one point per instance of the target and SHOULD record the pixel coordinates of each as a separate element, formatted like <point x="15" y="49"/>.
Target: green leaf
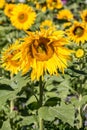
<point x="84" y="100"/>
<point x="28" y="120"/>
<point x="51" y="101"/>
<point x="63" y="112"/>
<point x="50" y="87"/>
<point x="16" y="83"/>
<point x="44" y="113"/>
<point x="79" y="102"/>
<point x="51" y="94"/>
<point x="31" y="100"/>
<point x="6" y="125"/>
<point x="4" y="95"/>
<point x="52" y="80"/>
<point x="4" y="80"/>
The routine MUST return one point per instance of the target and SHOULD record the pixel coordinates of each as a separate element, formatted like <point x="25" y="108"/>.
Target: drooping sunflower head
<point x="65" y="14"/>
<point x="84" y="15"/>
<point x="23" y="16"/>
<point x="51" y="4"/>
<point x="8" y="9"/>
<point x="79" y="53"/>
<point x="77" y="32"/>
<point x="7" y="58"/>
<point x="2" y="3"/>
<point x="45" y="53"/>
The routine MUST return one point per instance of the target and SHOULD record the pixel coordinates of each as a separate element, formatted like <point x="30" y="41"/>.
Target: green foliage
<point x="6" y="125"/>
<point x="63" y="112"/>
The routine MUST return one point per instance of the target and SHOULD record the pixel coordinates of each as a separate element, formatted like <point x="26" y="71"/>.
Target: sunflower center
<point x="78" y="31"/>
<point x="41" y="50"/>
<point x="22" y="17"/>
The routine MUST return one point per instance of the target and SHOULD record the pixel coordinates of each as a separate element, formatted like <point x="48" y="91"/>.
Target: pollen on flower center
<point x="78" y="31"/>
<point x="41" y="50"/>
<point x="22" y="17"/>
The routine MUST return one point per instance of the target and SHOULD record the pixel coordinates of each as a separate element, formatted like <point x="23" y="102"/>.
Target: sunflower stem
<point x="12" y="101"/>
<point x="41" y="124"/>
<point x="41" y="87"/>
<point x="11" y="106"/>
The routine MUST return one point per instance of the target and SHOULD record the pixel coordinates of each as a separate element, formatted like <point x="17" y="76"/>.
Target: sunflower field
<point x="43" y="64"/>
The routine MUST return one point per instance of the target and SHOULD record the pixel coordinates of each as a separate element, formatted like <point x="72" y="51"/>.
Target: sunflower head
<point x="79" y="53"/>
<point x="23" y="16"/>
<point x="45" y="53"/>
<point x="7" y="58"/>
<point x="65" y="14"/>
<point x="77" y="32"/>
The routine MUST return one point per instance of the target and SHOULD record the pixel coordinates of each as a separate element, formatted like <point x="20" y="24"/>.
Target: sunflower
<point x="77" y="32"/>
<point x="23" y="16"/>
<point x="84" y="15"/>
<point x="8" y="9"/>
<point x="65" y="14"/>
<point x="2" y="3"/>
<point x="45" y="53"/>
<point x="7" y="58"/>
<point x="47" y="24"/>
<point x="79" y="53"/>
<point x="51" y="4"/>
